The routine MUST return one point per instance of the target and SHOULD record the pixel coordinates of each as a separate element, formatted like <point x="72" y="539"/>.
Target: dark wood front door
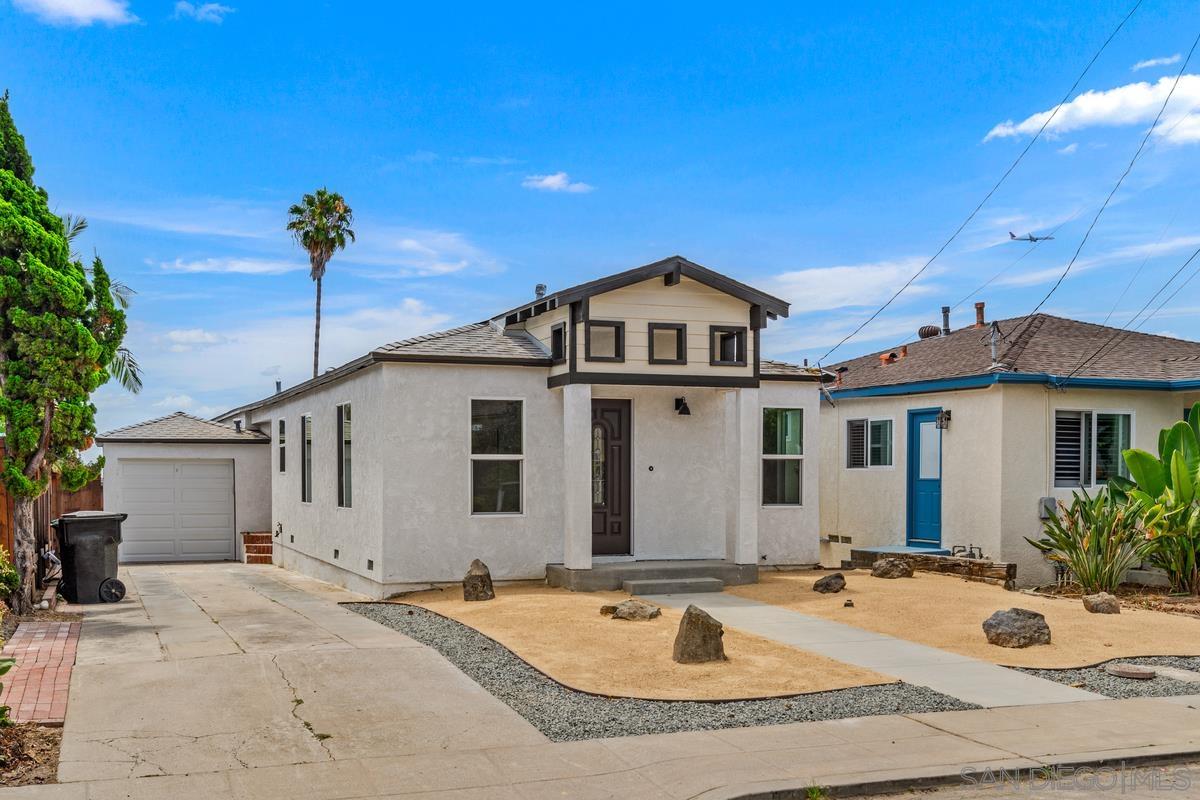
<point x="611" y="517"/>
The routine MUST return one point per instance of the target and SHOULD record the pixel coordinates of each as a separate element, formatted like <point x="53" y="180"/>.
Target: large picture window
<point x="306" y="459"/>
<point x="1088" y="447"/>
<point x="344" y="462"/>
<point x="869" y="443"/>
<point x="783" y="457"/>
<point x="497" y="456"/>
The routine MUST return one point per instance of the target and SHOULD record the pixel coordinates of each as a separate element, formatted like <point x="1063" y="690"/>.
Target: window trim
<point x="867" y="444"/>
<point x="680" y="329"/>
<point x="344" y="501"/>
<point x="306" y="459"/>
<point x="473" y="457"/>
<point x="555" y="328"/>
<point x="1129" y="412"/>
<point x="281" y="445"/>
<point x="763" y="457"/>
<point x="714" y="352"/>
<point x="618" y="327"/>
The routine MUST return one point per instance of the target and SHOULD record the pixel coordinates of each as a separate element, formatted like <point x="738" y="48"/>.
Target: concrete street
<point x="227" y="680"/>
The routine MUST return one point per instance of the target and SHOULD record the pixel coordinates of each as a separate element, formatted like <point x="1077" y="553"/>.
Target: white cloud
<point x="185" y="341"/>
<point x="79" y="12"/>
<point x="793" y="338"/>
<point x="1165" y="61"/>
<point x="826" y="288"/>
<point x="1069" y="149"/>
<point x="238" y="219"/>
<point x="233" y="264"/>
<point x="1132" y="104"/>
<point x="1128" y="254"/>
<point x="179" y="402"/>
<point x="202" y="12"/>
<point x="406" y="252"/>
<point x="555" y="182"/>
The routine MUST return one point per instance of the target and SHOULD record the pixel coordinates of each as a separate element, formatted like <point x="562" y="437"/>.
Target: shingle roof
<point x="1041" y="344"/>
<point x="480" y="340"/>
<point x="769" y="369"/>
<point x="181" y="427"/>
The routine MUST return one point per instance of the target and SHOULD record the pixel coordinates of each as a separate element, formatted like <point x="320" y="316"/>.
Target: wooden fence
<point x="55" y="502"/>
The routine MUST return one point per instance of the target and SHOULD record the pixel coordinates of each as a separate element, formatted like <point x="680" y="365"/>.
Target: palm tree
<point x="320" y="223"/>
<point x="124" y="367"/>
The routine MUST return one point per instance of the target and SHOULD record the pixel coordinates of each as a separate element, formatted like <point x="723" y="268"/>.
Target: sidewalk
<point x="190" y="690"/>
<point x="968" y="679"/>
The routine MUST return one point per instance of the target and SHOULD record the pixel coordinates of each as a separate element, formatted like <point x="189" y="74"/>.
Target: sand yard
<point x="563" y="634"/>
<point x="947" y="612"/>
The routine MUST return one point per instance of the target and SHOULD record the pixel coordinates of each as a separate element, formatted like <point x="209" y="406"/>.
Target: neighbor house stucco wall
<point x="251" y="481"/>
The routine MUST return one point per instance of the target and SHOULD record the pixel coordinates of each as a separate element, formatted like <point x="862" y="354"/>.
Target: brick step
<point x="256" y="538"/>
<point x="258" y="549"/>
<point x="673" y="585"/>
<point x="257" y="559"/>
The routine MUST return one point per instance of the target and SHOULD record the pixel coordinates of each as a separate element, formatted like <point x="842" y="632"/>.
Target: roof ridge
<point x="1014" y="351"/>
<point x="163" y="418"/>
<point x="427" y="337"/>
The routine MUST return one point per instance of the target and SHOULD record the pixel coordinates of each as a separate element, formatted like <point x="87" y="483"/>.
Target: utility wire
<point x="1013" y="263"/>
<point x="991" y="192"/>
<point x="1137" y="153"/>
<point x="1138" y="271"/>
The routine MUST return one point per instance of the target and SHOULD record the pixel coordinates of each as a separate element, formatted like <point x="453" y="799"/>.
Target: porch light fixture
<point x="681" y="407"/>
<point x="943" y="420"/>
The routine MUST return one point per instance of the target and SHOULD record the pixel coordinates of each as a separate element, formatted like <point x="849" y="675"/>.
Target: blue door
<point x="924" y="478"/>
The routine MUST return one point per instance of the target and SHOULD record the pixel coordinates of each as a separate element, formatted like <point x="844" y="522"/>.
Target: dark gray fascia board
<point x="168" y="440"/>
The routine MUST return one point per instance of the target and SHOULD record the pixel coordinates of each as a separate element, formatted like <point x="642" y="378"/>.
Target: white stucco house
<point x="960" y="438"/>
<point x="625" y="424"/>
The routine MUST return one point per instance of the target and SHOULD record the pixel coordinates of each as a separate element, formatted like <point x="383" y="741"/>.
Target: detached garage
<point x="190" y="486"/>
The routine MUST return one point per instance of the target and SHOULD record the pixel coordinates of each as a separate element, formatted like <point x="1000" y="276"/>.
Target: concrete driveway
<point x="234" y="681"/>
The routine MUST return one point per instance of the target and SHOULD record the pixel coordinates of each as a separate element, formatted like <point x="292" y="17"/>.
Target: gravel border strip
<point x="565" y="714"/>
<point x="1094" y="679"/>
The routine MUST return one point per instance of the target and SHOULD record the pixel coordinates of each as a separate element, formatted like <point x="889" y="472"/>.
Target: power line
<point x="1137" y="153"/>
<point x="1141" y="267"/>
<point x="991" y="192"/>
<point x="1016" y="261"/>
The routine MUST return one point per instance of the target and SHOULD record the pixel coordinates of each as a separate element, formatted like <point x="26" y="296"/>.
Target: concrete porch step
<point x="673" y="586"/>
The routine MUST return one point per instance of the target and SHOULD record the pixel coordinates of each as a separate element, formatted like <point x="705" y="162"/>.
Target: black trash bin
<point x="87" y="543"/>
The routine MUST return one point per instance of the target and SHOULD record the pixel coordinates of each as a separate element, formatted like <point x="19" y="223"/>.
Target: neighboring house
<point x="629" y="418"/>
<point x="946" y="442"/>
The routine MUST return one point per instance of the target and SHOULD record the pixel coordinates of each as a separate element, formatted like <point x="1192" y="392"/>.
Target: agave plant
<point x="1098" y="538"/>
<point x="1166" y="490"/>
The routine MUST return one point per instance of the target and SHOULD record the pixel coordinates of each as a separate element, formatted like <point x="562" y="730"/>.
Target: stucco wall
<point x="790" y="534"/>
<point x="318" y="528"/>
<point x="251" y="481"/>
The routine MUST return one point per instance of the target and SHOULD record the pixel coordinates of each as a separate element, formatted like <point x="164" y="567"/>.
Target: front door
<point x="611" y="518"/>
<point x="924" y="478"/>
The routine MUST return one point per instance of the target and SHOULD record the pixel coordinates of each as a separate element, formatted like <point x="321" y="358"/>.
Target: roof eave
<point x="989" y="379"/>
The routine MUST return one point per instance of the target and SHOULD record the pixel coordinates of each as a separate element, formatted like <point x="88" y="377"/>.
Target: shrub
<point x="10" y="579"/>
<point x="5" y="665"/>
<point x="1098" y="538"/>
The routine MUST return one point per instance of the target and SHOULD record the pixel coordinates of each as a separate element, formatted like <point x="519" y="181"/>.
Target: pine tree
<point x="59" y="329"/>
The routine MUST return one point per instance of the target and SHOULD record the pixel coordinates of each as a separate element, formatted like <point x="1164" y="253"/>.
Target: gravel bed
<point x="1095" y="679"/>
<point x="564" y="714"/>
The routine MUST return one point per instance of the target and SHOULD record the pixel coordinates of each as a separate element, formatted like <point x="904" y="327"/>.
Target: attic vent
<point x="928" y="331"/>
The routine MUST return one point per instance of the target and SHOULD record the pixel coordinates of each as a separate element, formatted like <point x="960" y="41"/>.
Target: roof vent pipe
<point x="995" y="344"/>
<point x="945" y="320"/>
<point x="979" y="314"/>
<point x="539" y="291"/>
<point x="237" y="425"/>
<point x="278" y="387"/>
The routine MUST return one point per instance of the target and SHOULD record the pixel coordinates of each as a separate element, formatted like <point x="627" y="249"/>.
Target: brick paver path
<point x="36" y="688"/>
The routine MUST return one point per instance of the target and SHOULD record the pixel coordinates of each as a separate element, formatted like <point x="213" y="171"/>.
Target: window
<point x="868" y="443"/>
<point x="728" y="346"/>
<point x="282" y="447"/>
<point x="1088" y="446"/>
<point x="604" y="340"/>
<point x="343" y="429"/>
<point x="558" y="343"/>
<point x="497" y="456"/>
<point x="782" y="456"/>
<point x="306" y="459"/>
<point x="668" y="342"/>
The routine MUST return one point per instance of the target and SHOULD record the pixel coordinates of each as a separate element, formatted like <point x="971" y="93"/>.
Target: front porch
<point x="653" y="577"/>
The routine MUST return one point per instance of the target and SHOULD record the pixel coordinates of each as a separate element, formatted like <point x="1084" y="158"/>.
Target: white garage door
<point x="178" y="510"/>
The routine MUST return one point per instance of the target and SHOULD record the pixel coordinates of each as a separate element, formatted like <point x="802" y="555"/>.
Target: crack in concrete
<point x="297" y="701"/>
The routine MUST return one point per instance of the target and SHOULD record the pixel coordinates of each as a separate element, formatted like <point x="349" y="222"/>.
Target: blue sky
<point x="821" y="152"/>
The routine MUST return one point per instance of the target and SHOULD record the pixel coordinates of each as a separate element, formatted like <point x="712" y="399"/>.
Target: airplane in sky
<point x="1029" y="237"/>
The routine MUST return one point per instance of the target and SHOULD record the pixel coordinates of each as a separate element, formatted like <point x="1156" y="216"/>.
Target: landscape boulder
<point x="477" y="585"/>
<point x="892" y="568"/>
<point x="699" y="638"/>
<point x="1102" y="603"/>
<point x="632" y="610"/>
<point x="830" y="584"/>
<point x="1016" y="627"/>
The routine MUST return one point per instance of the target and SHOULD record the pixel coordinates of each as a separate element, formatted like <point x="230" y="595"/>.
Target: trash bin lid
<point x="90" y="515"/>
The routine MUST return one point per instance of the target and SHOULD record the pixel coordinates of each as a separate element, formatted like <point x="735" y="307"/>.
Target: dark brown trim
<point x="619" y="340"/>
<point x="713" y="353"/>
<point x="560" y="328"/>
<point x="757" y="353"/>
<point x="573" y="314"/>
<point x="680" y="345"/>
<point x="164" y="440"/>
<point x="647" y="379"/>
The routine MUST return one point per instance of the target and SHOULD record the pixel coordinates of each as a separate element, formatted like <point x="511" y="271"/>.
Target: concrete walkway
<point x="959" y="676"/>
<point x="229" y="681"/>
